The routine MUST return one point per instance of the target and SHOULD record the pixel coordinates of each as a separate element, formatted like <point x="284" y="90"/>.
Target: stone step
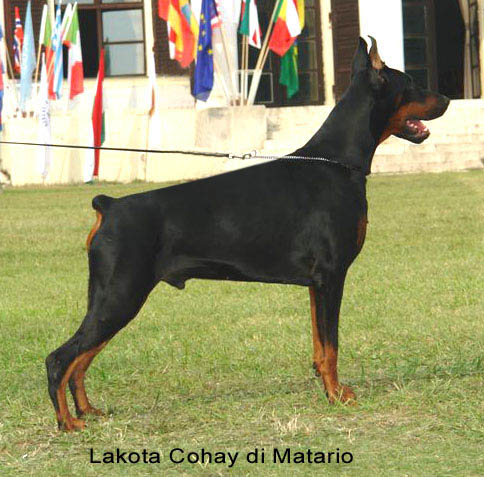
<point x="299" y="136"/>
<point x="442" y="158"/>
<point x="427" y="162"/>
<point x="415" y="149"/>
<point x="395" y="148"/>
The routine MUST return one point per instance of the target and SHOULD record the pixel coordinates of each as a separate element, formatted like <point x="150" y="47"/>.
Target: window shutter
<point x="346" y="30"/>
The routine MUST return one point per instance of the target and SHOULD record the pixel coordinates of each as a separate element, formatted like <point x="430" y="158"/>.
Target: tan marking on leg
<point x="94" y="229"/>
<point x="318" y="354"/>
<point x="80" y="396"/>
<point x="64" y="417"/>
<point x="329" y="374"/>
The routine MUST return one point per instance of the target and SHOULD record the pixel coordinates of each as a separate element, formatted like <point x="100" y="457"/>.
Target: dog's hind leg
<point x="118" y="289"/>
<point x="325" y="307"/>
<point x="76" y="383"/>
<point x="109" y="314"/>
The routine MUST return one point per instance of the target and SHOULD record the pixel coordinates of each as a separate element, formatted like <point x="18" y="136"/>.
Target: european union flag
<point x="203" y="80"/>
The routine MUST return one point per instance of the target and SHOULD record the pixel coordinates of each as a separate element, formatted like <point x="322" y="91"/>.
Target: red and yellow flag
<point x="288" y="25"/>
<point x="182" y="29"/>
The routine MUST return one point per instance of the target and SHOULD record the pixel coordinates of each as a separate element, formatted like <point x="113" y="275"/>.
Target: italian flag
<point x="72" y="39"/>
<point x="287" y="26"/>
<point x="98" y="127"/>
<point x="249" y="24"/>
<point x="46" y="28"/>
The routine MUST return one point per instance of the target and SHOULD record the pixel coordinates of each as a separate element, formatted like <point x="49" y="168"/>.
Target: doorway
<point x="439" y="54"/>
<point x="450" y="40"/>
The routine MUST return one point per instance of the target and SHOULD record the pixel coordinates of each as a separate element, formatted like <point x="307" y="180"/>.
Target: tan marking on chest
<point x="94" y="229"/>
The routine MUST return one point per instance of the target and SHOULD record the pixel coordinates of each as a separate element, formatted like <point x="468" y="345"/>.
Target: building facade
<point x="438" y="42"/>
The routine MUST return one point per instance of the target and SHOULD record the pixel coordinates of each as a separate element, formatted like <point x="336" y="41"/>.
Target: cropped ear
<point x="375" y="59"/>
<point x="361" y="60"/>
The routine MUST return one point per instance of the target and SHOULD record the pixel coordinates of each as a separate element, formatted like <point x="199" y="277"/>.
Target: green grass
<point x="227" y="366"/>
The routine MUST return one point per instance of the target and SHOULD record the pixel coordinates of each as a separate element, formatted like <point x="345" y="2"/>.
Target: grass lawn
<point x="227" y="366"/>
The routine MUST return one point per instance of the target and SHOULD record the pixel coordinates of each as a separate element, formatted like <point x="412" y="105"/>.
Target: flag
<point x="44" y="132"/>
<point x="300" y="13"/>
<point x="46" y="41"/>
<point x="98" y="125"/>
<point x="27" y="65"/>
<point x="289" y="75"/>
<point x="216" y="19"/>
<point x="249" y="23"/>
<point x="154" y="120"/>
<point x="192" y="22"/>
<point x="2" y="71"/>
<point x="66" y="19"/>
<point x="229" y="10"/>
<point x="286" y="28"/>
<point x="18" y="38"/>
<point x="72" y="40"/>
<point x="163" y="8"/>
<point x="182" y="29"/>
<point x="97" y="129"/>
<point x="203" y="78"/>
<point x="152" y="81"/>
<point x="57" y="49"/>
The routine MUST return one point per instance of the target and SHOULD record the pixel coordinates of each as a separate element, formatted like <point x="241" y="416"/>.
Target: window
<point x="270" y="91"/>
<point x="474" y="39"/>
<point x="419" y="38"/>
<point x="117" y="26"/>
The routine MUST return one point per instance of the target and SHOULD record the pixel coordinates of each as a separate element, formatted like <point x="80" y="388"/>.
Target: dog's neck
<point x="348" y="135"/>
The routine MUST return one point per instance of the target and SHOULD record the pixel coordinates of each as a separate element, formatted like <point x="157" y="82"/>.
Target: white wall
<point x="382" y="19"/>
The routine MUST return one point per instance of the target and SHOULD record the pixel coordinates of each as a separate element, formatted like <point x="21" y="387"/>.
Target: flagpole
<point x="12" y="75"/>
<point x="230" y="66"/>
<point x="242" y="63"/>
<point x="264" y="52"/>
<point x="246" y="72"/>
<point x="220" y="78"/>
<point x="66" y="20"/>
<point x="243" y="86"/>
<point x="9" y="63"/>
<point x="41" y="39"/>
<point x="152" y="107"/>
<point x="229" y="62"/>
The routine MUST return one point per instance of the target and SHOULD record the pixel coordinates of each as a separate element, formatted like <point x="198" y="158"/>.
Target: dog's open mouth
<point x="415" y="131"/>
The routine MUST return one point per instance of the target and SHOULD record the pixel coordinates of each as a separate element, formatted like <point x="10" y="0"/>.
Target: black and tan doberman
<point x="290" y="221"/>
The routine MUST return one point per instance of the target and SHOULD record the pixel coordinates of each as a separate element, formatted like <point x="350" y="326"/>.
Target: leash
<point x="250" y="155"/>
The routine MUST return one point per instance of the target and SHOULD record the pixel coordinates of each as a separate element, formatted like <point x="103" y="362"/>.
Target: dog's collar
<point x="324" y="159"/>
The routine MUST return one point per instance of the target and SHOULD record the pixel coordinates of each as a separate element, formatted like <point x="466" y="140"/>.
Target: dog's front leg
<point x="325" y="306"/>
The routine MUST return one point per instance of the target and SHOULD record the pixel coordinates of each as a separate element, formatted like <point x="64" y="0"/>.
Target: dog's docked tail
<point x="101" y="204"/>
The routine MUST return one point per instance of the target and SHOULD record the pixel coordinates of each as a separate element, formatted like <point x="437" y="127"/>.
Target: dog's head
<point x="400" y="105"/>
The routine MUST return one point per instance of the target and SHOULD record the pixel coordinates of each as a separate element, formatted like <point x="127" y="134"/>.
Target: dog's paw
<point x="316" y="367"/>
<point x="72" y="424"/>
<point x="92" y="411"/>
<point x="343" y="394"/>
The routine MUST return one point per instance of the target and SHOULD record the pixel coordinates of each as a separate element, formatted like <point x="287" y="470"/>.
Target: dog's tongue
<point x="416" y="125"/>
